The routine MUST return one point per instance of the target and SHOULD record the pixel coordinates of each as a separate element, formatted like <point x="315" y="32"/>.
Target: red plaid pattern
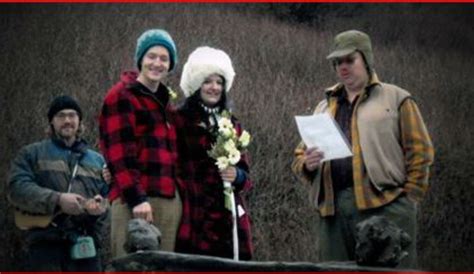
<point x="206" y="226"/>
<point x="138" y="141"/>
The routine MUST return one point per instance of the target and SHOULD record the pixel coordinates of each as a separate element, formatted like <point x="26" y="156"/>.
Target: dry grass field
<point x="279" y="57"/>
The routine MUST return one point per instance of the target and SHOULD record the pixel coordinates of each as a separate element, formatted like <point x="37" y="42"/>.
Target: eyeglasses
<point x="64" y="115"/>
<point x="348" y="60"/>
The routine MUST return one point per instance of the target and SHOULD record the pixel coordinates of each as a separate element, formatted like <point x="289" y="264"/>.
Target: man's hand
<point x="71" y="203"/>
<point x="143" y="211"/>
<point x="229" y="174"/>
<point x="95" y="206"/>
<point x="313" y="158"/>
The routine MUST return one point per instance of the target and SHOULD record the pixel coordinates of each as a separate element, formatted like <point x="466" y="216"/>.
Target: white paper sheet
<point x="320" y="130"/>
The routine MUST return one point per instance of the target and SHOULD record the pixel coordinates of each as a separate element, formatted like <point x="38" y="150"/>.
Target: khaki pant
<point x="166" y="216"/>
<point x="337" y="233"/>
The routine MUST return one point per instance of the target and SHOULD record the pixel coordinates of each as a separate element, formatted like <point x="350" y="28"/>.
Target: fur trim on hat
<point x="203" y="62"/>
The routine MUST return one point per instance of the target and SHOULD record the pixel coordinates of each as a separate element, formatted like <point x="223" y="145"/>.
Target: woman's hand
<point x="229" y="174"/>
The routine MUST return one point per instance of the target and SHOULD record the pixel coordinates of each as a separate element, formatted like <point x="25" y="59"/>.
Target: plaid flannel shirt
<point x="418" y="154"/>
<point x="138" y="141"/>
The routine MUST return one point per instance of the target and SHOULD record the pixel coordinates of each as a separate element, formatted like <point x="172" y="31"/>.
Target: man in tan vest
<point x="392" y="153"/>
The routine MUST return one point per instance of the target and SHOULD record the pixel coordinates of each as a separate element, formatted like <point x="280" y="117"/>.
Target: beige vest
<point x="379" y="132"/>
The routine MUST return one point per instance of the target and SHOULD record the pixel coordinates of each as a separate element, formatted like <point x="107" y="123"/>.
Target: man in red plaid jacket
<point x="138" y="140"/>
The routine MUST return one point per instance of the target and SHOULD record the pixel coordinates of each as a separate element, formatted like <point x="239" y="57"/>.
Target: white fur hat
<point x="203" y="62"/>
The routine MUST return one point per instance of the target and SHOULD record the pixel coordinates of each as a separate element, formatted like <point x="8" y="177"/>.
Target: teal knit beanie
<point x="155" y="37"/>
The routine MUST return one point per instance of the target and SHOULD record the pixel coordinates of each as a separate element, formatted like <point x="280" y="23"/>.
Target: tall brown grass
<point x="47" y="50"/>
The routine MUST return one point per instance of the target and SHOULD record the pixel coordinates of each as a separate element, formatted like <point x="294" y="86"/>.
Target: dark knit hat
<point x="155" y="37"/>
<point x="63" y="102"/>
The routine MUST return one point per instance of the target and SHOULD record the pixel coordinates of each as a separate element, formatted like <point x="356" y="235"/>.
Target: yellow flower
<point x="172" y="94"/>
<point x="244" y="139"/>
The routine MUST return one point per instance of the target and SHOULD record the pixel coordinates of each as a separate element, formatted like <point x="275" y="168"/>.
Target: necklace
<point x="210" y="110"/>
<point x="214" y="114"/>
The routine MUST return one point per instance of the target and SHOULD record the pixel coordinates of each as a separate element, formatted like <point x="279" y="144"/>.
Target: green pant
<point x="166" y="215"/>
<point x="337" y="233"/>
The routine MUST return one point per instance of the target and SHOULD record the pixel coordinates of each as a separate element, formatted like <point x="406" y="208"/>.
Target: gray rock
<point x="141" y="236"/>
<point x="162" y="261"/>
<point x="380" y="242"/>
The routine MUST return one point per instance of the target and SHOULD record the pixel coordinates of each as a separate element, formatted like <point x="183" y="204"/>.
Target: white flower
<point x="244" y="139"/>
<point x="229" y="146"/>
<point x="222" y="162"/>
<point x="226" y="132"/>
<point x="225" y="123"/>
<point x="234" y="156"/>
<point x="225" y="127"/>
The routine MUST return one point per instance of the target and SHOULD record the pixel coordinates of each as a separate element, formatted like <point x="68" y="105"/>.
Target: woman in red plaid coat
<point x="206" y="225"/>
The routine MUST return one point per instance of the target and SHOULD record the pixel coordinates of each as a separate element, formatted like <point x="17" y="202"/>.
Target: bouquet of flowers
<point x="227" y="151"/>
<point x="228" y="146"/>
